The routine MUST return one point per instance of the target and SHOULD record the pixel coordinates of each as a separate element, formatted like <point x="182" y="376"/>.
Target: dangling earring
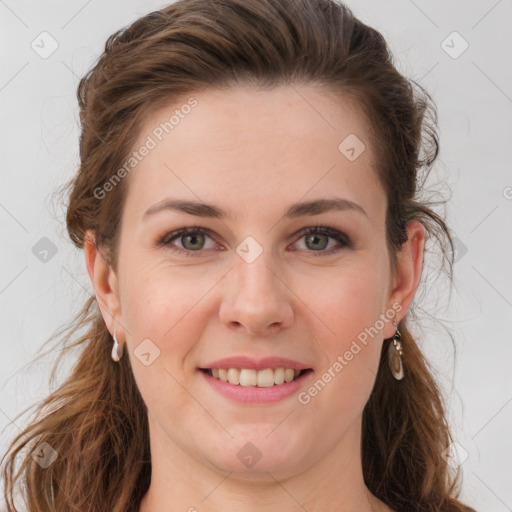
<point x="117" y="350"/>
<point x="395" y="353"/>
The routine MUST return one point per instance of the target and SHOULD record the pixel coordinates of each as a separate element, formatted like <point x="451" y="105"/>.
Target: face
<point x="248" y="283"/>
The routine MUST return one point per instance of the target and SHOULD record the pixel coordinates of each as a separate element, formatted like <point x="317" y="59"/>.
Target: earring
<point x="395" y="353"/>
<point x="117" y="350"/>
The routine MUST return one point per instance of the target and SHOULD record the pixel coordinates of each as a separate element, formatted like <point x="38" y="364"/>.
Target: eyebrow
<point x="199" y="209"/>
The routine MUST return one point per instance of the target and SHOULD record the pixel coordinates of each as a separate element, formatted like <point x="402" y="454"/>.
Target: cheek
<point x="168" y="307"/>
<point x="351" y="308"/>
<point x="343" y="384"/>
<point x="161" y="314"/>
<point x="159" y="297"/>
<point x="350" y="304"/>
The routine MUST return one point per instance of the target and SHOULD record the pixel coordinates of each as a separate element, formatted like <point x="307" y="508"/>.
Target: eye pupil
<point x="315" y="237"/>
<point x="194" y="236"/>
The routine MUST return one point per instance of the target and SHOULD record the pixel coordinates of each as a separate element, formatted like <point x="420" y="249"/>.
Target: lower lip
<point x="253" y="394"/>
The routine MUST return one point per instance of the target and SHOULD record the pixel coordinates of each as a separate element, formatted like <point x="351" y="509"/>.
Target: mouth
<point x="249" y="377"/>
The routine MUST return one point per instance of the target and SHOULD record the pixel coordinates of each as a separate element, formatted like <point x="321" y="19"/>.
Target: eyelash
<point x="342" y="239"/>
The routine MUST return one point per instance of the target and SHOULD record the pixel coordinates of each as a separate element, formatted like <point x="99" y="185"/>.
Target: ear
<point x="408" y="273"/>
<point x="105" y="285"/>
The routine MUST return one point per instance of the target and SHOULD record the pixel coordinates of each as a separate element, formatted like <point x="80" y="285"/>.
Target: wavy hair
<point x="96" y="420"/>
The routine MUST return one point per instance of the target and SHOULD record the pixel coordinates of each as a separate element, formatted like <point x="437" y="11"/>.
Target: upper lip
<point x="256" y="364"/>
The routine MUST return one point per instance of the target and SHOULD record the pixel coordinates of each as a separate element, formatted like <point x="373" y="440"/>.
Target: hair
<point x="96" y="420"/>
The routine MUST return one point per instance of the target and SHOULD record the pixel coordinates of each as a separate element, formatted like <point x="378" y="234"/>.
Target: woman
<point x="230" y="359"/>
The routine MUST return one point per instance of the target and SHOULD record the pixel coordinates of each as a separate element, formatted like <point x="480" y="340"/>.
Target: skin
<point x="254" y="153"/>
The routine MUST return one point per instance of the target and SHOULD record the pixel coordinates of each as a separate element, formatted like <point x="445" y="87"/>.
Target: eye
<point x="317" y="238"/>
<point x="192" y="240"/>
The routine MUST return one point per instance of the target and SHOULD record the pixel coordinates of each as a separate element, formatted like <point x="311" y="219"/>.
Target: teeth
<point x="279" y="376"/>
<point x="261" y="378"/>
<point x="265" y="378"/>
<point x="247" y="377"/>
<point x="234" y="376"/>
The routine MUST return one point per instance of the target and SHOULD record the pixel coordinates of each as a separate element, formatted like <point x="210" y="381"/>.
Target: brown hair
<point x="96" y="419"/>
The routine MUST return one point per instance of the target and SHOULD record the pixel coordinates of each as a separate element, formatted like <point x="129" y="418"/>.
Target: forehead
<point x="253" y="150"/>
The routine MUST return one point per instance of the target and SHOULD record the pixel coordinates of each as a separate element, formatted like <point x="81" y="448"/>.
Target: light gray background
<point x="39" y="150"/>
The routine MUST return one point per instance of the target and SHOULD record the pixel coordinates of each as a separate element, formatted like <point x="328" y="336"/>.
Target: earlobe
<point x="409" y="267"/>
<point x="104" y="281"/>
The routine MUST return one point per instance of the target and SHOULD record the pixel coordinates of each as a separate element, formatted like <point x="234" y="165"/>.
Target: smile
<point x="264" y="378"/>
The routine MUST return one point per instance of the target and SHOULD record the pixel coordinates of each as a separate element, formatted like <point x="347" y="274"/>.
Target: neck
<point x="337" y="478"/>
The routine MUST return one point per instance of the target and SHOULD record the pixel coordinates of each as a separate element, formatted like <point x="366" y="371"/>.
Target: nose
<point x="257" y="299"/>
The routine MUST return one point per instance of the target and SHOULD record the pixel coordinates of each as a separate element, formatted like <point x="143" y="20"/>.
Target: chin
<point x="259" y="452"/>
<point x="263" y="470"/>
